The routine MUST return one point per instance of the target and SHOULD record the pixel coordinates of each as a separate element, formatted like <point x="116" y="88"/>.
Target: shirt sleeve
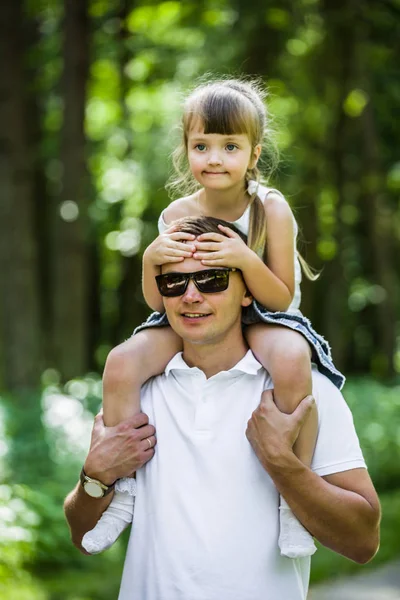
<point x="338" y="448"/>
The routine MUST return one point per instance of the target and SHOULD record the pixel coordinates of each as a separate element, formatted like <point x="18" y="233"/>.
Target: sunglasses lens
<point x="208" y="282"/>
<point x="213" y="280"/>
<point x="171" y="284"/>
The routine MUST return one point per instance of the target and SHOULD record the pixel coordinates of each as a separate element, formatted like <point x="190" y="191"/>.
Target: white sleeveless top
<point x="243" y="224"/>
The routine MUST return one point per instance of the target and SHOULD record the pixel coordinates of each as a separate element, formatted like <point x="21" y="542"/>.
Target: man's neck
<point x="216" y="357"/>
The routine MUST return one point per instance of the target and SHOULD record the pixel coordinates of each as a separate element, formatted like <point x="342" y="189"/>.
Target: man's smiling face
<point x="200" y="318"/>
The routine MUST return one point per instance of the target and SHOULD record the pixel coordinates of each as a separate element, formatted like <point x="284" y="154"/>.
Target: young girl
<point x="224" y="124"/>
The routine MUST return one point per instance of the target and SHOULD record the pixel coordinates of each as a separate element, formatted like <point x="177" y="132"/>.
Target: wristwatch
<point x="94" y="487"/>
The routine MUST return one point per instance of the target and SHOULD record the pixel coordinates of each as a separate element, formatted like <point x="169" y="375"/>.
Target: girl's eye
<point x="231" y="147"/>
<point x="200" y="147"/>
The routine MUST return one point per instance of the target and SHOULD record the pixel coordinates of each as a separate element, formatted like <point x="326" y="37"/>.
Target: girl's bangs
<point x="221" y="114"/>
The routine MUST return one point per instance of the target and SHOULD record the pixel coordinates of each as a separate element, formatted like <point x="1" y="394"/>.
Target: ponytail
<point x="257" y="236"/>
<point x="308" y="271"/>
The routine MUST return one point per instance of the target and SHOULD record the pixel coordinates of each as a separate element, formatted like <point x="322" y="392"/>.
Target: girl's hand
<point x="169" y="247"/>
<point x="218" y="250"/>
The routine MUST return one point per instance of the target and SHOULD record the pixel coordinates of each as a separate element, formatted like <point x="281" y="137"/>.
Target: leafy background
<point x="90" y="95"/>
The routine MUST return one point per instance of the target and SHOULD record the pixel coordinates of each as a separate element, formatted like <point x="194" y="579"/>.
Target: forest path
<point x="382" y="584"/>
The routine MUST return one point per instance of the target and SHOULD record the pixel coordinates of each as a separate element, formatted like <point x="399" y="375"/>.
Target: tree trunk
<point x="19" y="298"/>
<point x="338" y="61"/>
<point x="262" y="44"/>
<point x="71" y="236"/>
<point x="380" y="220"/>
<point x="129" y="290"/>
<point x="19" y="269"/>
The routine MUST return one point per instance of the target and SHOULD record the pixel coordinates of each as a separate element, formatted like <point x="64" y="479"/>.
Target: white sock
<point x="115" y="518"/>
<point x="294" y="539"/>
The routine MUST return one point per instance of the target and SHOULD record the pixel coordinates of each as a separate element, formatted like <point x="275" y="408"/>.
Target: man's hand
<point x="272" y="433"/>
<point x="119" y="451"/>
<point x="114" y="452"/>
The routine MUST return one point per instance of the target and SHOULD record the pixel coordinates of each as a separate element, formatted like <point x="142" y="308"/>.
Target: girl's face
<point x="220" y="162"/>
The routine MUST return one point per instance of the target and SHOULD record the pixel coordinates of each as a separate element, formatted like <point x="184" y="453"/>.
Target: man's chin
<point x="193" y="333"/>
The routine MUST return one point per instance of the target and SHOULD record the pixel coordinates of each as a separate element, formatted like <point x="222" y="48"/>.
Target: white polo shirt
<point x="205" y="525"/>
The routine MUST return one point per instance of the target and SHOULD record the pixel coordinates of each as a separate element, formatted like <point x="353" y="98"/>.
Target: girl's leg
<point x="128" y="367"/>
<point x="286" y="355"/>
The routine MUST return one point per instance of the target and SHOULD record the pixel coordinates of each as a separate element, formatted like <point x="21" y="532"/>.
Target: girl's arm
<point x="149" y="287"/>
<point x="272" y="282"/>
<point x="272" y="285"/>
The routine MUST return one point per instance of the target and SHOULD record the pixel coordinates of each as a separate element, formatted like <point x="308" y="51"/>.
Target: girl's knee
<point x="286" y="355"/>
<point x="293" y="348"/>
<point x="122" y="362"/>
<point x="279" y="343"/>
<point x="142" y="356"/>
<point x="291" y="362"/>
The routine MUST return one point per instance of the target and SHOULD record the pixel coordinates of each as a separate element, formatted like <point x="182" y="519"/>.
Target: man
<point x="205" y="525"/>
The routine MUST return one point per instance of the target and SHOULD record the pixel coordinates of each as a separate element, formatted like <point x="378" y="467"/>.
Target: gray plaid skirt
<point x="256" y="313"/>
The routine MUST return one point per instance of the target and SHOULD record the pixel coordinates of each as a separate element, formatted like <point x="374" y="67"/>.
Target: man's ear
<point x="247" y="299"/>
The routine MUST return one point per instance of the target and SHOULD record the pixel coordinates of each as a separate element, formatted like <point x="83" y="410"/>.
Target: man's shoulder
<point x="160" y="379"/>
<point x="333" y="410"/>
<point x="323" y="388"/>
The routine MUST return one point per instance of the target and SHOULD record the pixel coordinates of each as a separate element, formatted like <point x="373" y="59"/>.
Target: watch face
<point x="94" y="490"/>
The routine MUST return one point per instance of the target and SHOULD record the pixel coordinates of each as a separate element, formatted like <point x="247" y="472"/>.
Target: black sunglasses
<point x="209" y="281"/>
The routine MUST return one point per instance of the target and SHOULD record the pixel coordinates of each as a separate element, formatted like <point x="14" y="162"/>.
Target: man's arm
<point x="82" y="513"/>
<point x="341" y="510"/>
<point x="114" y="452"/>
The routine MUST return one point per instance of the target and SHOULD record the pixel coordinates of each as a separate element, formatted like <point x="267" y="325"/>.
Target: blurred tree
<point x="20" y="298"/>
<point x="131" y="266"/>
<point x="19" y="283"/>
<point x="379" y="214"/>
<point x="71" y="241"/>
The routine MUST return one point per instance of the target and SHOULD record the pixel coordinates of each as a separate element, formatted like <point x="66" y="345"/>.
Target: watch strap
<point x="85" y="479"/>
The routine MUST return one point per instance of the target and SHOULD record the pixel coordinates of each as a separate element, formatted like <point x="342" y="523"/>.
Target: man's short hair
<point x="198" y="225"/>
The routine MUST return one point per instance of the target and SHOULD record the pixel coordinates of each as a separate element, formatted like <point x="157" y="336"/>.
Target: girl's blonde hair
<point x="227" y="107"/>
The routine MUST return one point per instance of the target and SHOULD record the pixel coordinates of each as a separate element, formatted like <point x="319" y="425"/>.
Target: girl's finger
<point x="178" y="252"/>
<point x="209" y="246"/>
<point x="229" y="232"/>
<point x="211" y="237"/>
<point x="212" y="262"/>
<point x="179" y="235"/>
<point x="172" y="259"/>
<point x="170" y="245"/>
<point x="171" y="228"/>
<point x="184" y="247"/>
<point x="205" y="255"/>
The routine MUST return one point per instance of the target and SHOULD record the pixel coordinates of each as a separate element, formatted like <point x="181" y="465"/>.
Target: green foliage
<point x="16" y="542"/>
<point x="376" y="412"/>
<point x="38" y="560"/>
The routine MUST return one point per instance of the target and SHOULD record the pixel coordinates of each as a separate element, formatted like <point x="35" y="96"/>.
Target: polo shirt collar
<point x="248" y="364"/>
